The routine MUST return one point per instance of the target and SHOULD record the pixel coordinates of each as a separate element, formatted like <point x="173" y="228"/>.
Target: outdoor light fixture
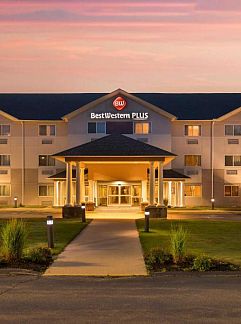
<point x="50" y="232"/>
<point x="15" y="202"/>
<point x="83" y="212"/>
<point x="147" y="216"/>
<point x="212" y="201"/>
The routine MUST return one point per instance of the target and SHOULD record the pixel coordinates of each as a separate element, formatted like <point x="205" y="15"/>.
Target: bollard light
<point x="212" y="201"/>
<point x="147" y="217"/>
<point x="83" y="212"/>
<point x="50" y="232"/>
<point x="15" y="202"/>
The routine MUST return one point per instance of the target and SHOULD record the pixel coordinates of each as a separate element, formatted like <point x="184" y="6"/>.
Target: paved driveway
<point x="105" y="247"/>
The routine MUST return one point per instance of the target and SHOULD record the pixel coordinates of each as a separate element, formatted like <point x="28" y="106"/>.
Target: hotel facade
<point x="120" y="149"/>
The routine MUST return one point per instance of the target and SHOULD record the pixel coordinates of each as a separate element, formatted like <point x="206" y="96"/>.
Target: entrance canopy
<point x="113" y="158"/>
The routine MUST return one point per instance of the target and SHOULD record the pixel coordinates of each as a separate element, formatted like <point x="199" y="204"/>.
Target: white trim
<point x="10" y="189"/>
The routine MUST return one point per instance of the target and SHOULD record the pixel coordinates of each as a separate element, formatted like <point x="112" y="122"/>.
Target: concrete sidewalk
<point x="104" y="248"/>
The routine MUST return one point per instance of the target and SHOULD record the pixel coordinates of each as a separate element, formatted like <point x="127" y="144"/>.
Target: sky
<point x="139" y="46"/>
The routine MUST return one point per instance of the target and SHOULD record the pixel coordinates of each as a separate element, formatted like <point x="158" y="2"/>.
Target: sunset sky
<point x="137" y="45"/>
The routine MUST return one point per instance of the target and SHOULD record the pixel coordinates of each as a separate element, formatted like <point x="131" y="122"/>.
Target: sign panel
<point x="119" y="103"/>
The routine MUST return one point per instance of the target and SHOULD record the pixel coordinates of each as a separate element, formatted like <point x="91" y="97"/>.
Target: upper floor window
<point x="5" y="190"/>
<point x="142" y="128"/>
<point x="192" y="160"/>
<point x="232" y="160"/>
<point x="96" y="127"/>
<point x="4" y="130"/>
<point x="192" y="130"/>
<point x="46" y="190"/>
<point x="4" y="160"/>
<point x="46" y="160"/>
<point x="232" y="130"/>
<point x="47" y="130"/>
<point x="120" y="127"/>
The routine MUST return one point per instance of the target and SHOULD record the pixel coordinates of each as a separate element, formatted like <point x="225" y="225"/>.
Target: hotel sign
<point x="120" y="103"/>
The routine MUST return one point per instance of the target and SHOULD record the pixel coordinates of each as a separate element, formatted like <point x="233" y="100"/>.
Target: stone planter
<point x="90" y="206"/>
<point x="157" y="211"/>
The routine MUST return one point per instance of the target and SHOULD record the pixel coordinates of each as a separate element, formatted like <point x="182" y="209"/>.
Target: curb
<point x="18" y="272"/>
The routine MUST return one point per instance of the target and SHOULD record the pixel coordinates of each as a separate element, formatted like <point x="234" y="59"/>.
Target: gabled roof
<point x="120" y="92"/>
<point x="114" y="145"/>
<point x="186" y="106"/>
<point x="167" y="174"/>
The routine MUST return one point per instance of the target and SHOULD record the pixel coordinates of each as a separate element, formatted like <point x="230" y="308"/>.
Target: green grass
<point x="64" y="232"/>
<point x="217" y="239"/>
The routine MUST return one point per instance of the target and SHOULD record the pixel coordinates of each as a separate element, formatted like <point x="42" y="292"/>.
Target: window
<point x="47" y="130"/>
<point x="231" y="191"/>
<point x="46" y="190"/>
<point x="119" y="127"/>
<point x="96" y="127"/>
<point x="5" y="160"/>
<point x="47" y="141"/>
<point x="232" y="130"/>
<point x="46" y="160"/>
<point x="231" y="172"/>
<point x="232" y="160"/>
<point x="192" y="160"/>
<point x="192" y="141"/>
<point x="233" y="141"/>
<point x="4" y="130"/>
<point x="192" y="190"/>
<point x="192" y="130"/>
<point x="142" y="128"/>
<point x="4" y="190"/>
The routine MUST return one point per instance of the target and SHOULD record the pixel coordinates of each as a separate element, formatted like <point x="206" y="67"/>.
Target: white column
<point x="56" y="193"/>
<point x="169" y="193"/>
<point x="77" y="188"/>
<point x="82" y="184"/>
<point x="61" y="193"/>
<point x="68" y="183"/>
<point x="91" y="191"/>
<point x="144" y="190"/>
<point x="151" y="183"/>
<point x="160" y="183"/>
<point x="181" y="194"/>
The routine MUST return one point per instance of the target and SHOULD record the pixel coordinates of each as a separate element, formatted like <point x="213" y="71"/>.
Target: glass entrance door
<point x="119" y="195"/>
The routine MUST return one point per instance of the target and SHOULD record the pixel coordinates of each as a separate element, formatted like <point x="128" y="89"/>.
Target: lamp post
<point x="83" y="212"/>
<point x="147" y="220"/>
<point x="212" y="201"/>
<point x="15" y="202"/>
<point x="50" y="232"/>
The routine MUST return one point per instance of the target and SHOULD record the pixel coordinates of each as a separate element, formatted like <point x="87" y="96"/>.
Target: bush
<point x="202" y="263"/>
<point x="157" y="258"/>
<point x="40" y="255"/>
<point x="178" y="239"/>
<point x="13" y="236"/>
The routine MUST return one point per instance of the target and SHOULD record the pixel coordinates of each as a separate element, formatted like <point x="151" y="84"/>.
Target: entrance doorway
<point x="119" y="194"/>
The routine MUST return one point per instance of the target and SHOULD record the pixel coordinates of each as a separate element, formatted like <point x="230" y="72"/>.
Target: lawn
<point x="217" y="239"/>
<point x="64" y="232"/>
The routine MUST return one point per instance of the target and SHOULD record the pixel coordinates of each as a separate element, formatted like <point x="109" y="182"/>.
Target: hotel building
<point x="120" y="149"/>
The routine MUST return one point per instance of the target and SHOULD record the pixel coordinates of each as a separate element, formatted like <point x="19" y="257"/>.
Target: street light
<point x="50" y="232"/>
<point x="212" y="201"/>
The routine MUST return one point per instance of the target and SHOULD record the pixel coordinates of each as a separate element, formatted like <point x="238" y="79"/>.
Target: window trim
<point x="193" y="166"/>
<point x="10" y="189"/>
<point x="47" y="185"/>
<point x="184" y="133"/>
<point x="233" y="155"/>
<point x="231" y="185"/>
<point x="233" y="135"/>
<point x="48" y="132"/>
<point x="9" y="130"/>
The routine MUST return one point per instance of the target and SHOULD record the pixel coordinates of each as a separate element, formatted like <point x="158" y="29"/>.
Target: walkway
<point x="104" y="248"/>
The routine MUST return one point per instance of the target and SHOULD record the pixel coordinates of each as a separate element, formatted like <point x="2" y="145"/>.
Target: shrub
<point x="157" y="258"/>
<point x="178" y="237"/>
<point x="40" y="255"/>
<point x="13" y="236"/>
<point x="202" y="263"/>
